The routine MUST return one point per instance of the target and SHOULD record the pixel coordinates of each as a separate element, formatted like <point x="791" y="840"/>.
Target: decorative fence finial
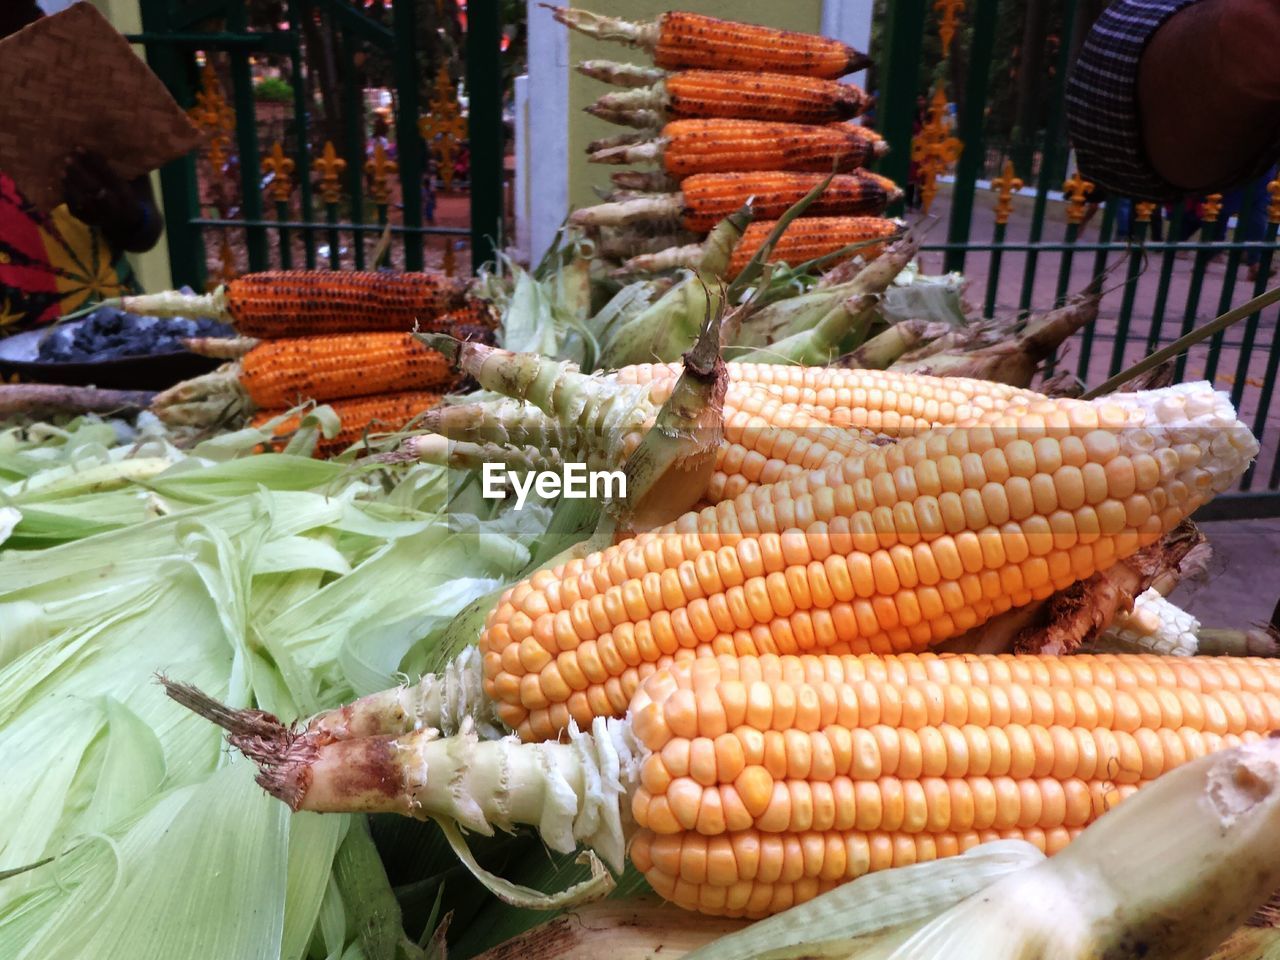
<point x="378" y="169"/>
<point x="1076" y="189"/>
<point x="948" y="11"/>
<point x="214" y="116"/>
<point x="443" y="128"/>
<point x="1005" y="185"/>
<point x="1143" y="210"/>
<point x="331" y="167"/>
<point x="281" y="169"/>
<point x="934" y="150"/>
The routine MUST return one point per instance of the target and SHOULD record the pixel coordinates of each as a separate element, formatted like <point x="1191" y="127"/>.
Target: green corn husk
<point x="281" y="581"/>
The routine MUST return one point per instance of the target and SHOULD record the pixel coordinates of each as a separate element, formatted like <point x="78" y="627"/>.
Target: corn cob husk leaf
<point x="832" y="924"/>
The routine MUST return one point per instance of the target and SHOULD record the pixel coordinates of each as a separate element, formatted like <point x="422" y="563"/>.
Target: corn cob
<point x="1153" y="625"/>
<point x="277" y="374"/>
<point x="779" y="421"/>
<point x="749" y="456"/>
<point x="358" y="416"/>
<point x="883" y="401"/>
<point x="756" y="783"/>
<point x="686" y="147"/>
<point x="280" y="373"/>
<point x="299" y="303"/>
<point x="682" y="39"/>
<point x="892" y="551"/>
<point x="705" y="199"/>
<point x="778" y="97"/>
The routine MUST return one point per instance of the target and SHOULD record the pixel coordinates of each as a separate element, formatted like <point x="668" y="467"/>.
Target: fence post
<point x="485" y="129"/>
<point x="178" y="185"/>
<point x="411" y="148"/>
<point x="247" y="140"/>
<point x="970" y="133"/>
<point x="896" y="101"/>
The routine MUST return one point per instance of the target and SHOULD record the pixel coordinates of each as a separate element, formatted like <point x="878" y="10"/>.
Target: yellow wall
<point x="804" y="15"/>
<point x="152" y="267"/>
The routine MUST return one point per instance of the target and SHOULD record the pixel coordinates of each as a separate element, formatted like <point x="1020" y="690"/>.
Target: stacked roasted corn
<point x="735" y="112"/>
<point x="338" y="338"/>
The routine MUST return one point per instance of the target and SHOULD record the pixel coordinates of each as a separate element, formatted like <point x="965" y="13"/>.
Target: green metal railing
<point x="1159" y="284"/>
<point x="172" y="37"/>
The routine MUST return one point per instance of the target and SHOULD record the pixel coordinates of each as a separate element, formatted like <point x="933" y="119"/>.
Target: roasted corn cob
<point x="779" y="97"/>
<point x="758" y="783"/>
<point x="358" y="416"/>
<point x="805" y="239"/>
<point x="895" y="550"/>
<point x="686" y="147"/>
<point x="277" y="374"/>
<point x="683" y="39"/>
<point x="706" y="199"/>
<point x="301" y="303"/>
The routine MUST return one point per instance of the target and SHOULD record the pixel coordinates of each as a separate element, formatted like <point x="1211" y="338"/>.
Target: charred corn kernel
<point x="358" y="416"/>
<point x="281" y="373"/>
<point x="300" y="303"/>
<point x="981" y="561"/>
<point x="709" y="198"/>
<point x="899" y="760"/>
<point x="809" y="238"/>
<point x="725" y="94"/>
<point x="761" y="96"/>
<point x="687" y="147"/>
<point x="693" y="40"/>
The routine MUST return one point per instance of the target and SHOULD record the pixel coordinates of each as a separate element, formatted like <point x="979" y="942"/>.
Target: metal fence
<point x="1031" y="244"/>
<point x="321" y="195"/>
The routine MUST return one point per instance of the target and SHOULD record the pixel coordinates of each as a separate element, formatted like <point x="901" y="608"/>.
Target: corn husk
<point x="271" y="578"/>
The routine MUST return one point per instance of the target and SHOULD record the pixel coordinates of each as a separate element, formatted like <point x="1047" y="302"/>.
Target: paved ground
<point x="1245" y="581"/>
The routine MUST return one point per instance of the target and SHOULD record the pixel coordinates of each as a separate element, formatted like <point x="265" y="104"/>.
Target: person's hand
<point x="97" y="195"/>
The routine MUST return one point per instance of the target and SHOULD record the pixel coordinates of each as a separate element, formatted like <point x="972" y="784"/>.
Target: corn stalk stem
<point x="621" y="74"/>
<point x="1182" y="344"/>
<point x="172" y="303"/>
<point x="37" y="400"/>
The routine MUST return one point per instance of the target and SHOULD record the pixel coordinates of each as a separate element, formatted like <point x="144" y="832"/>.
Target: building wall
<point x="551" y="156"/>
<point x="803" y="15"/>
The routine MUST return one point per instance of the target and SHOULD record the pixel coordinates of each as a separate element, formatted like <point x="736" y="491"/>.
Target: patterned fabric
<point x="1102" y="99"/>
<point x="50" y="265"/>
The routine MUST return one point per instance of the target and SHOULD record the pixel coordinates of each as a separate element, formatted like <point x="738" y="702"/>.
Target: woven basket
<point x="70" y="80"/>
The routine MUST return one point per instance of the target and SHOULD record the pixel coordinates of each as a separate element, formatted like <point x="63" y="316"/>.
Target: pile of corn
<point x="733" y="112"/>
<point x="325" y="337"/>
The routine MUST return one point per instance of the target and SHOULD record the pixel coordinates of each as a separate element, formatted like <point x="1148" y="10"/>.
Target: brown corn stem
<point x="642" y="35"/>
<point x="643" y="152"/>
<point x="36" y="400"/>
<point x="621" y="74"/>
<point x="647" y="120"/>
<point x="660" y="207"/>
<point x="566" y="790"/>
<point x="672" y="258"/>
<point x="172" y="303"/>
<point x="887" y="346"/>
<point x="221" y="348"/>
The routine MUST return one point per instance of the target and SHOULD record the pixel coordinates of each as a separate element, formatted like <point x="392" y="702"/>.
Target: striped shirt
<point x="1102" y="99"/>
